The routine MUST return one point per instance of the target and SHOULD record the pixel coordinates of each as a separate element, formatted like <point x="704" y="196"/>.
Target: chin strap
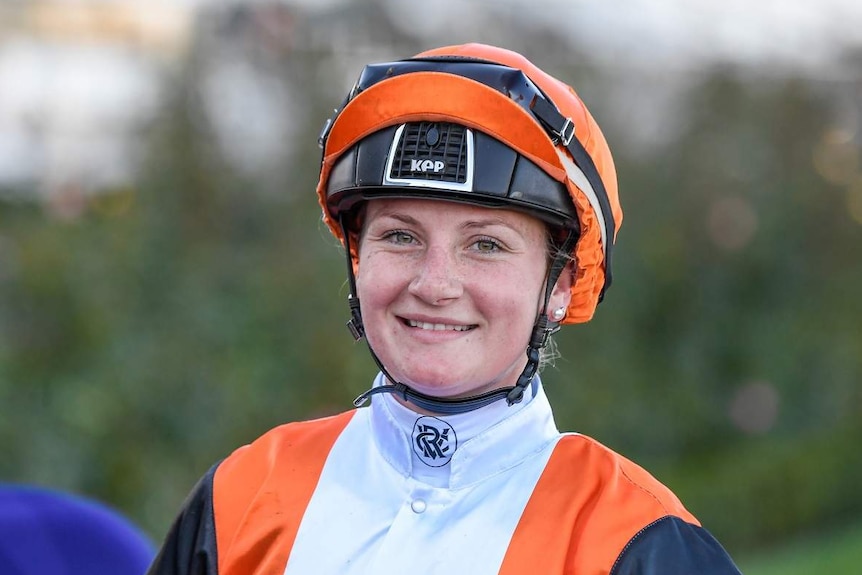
<point x="542" y="331"/>
<point x="439" y="405"/>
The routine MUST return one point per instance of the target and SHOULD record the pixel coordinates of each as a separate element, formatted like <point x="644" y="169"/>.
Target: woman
<point x="477" y="201"/>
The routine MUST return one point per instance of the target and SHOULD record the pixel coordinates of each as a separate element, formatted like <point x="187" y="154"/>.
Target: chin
<point x="436" y="384"/>
<point x="445" y="386"/>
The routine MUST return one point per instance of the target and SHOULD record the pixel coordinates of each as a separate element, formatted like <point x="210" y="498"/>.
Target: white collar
<point x="469" y="446"/>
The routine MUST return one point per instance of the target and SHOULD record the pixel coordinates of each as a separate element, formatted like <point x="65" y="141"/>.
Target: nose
<point x="436" y="280"/>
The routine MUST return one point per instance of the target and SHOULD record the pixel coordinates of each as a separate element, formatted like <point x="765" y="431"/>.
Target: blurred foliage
<point x="145" y="332"/>
<point x="830" y="552"/>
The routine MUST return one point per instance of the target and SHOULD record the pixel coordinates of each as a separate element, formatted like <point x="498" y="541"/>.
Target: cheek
<point x="365" y="288"/>
<point x="376" y="284"/>
<point x="514" y="299"/>
<point x="510" y="315"/>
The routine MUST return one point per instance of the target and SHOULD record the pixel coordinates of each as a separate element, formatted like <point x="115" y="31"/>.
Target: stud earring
<point x="559" y="313"/>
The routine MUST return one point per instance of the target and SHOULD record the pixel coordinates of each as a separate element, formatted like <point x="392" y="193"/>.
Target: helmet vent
<point x="431" y="154"/>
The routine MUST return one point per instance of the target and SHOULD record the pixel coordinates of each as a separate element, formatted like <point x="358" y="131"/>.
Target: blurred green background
<point x="168" y="292"/>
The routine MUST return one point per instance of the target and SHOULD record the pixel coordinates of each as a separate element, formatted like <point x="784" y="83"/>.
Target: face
<point x="450" y="292"/>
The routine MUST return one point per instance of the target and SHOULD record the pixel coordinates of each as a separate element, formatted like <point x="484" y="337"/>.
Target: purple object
<point x="45" y="532"/>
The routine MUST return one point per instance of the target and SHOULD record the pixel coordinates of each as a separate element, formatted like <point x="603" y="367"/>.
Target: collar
<point x="456" y="451"/>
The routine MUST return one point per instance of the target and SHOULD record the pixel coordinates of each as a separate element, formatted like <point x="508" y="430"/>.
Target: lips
<point x="429" y="326"/>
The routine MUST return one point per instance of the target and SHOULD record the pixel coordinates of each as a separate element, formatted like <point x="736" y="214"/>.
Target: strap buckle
<point x="566" y="133"/>
<point x="324" y="132"/>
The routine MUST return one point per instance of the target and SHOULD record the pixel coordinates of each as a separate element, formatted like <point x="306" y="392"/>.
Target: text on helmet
<point x="427" y="166"/>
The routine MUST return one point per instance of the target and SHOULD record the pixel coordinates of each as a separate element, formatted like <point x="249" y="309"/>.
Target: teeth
<point x="437" y="326"/>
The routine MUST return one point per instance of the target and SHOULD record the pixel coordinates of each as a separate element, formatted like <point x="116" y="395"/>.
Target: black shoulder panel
<point x="190" y="547"/>
<point x="671" y="546"/>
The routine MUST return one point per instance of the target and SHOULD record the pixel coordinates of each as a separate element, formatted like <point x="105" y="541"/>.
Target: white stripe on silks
<point x="367" y="516"/>
<point x="577" y="176"/>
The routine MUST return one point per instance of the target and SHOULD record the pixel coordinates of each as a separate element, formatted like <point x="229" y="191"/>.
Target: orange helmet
<point x="482" y="125"/>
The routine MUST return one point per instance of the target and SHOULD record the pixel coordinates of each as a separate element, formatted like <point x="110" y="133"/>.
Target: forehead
<point x="432" y="211"/>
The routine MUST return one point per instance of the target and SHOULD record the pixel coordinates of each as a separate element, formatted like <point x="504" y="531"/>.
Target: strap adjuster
<point x="566" y="133"/>
<point x="324" y="132"/>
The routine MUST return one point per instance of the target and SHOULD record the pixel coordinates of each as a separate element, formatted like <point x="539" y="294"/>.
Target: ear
<point x="562" y="293"/>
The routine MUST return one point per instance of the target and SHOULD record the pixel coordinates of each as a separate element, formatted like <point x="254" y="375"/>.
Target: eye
<point x="399" y="237"/>
<point x="487" y="245"/>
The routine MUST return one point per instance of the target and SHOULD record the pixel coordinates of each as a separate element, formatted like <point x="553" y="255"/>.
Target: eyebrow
<point x="470" y="224"/>
<point x="488" y="222"/>
<point x="401" y="217"/>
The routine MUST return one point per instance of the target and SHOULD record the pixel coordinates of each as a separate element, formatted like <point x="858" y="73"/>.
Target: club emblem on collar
<point x="434" y="441"/>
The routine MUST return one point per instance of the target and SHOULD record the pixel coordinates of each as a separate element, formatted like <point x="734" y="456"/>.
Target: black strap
<point x="439" y="405"/>
<point x="563" y="132"/>
<point x="354" y="324"/>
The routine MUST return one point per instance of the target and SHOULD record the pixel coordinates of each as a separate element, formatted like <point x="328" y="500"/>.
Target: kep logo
<point x="424" y="166"/>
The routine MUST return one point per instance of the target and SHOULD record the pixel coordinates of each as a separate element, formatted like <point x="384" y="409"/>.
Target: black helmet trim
<point x="441" y="160"/>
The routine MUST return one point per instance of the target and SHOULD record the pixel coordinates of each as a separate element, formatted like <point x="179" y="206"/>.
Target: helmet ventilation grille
<point x="435" y="151"/>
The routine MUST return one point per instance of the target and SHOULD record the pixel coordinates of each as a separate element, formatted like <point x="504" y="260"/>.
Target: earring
<point x="559" y="313"/>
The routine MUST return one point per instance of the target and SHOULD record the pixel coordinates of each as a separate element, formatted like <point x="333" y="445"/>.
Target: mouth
<point x="438" y="326"/>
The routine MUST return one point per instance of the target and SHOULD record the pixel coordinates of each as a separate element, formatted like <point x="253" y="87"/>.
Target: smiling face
<point x="450" y="292"/>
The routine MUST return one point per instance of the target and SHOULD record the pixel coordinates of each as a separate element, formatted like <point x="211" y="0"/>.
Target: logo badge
<point x="434" y="441"/>
<point x="425" y="156"/>
<point x="422" y="166"/>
